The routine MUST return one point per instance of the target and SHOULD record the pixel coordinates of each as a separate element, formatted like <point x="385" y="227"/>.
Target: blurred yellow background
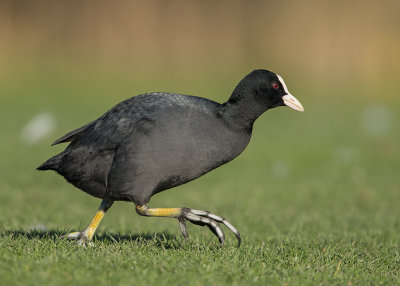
<point x="343" y="48"/>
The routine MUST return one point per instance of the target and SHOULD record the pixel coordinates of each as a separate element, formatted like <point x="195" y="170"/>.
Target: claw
<point x="219" y="219"/>
<point x="182" y="225"/>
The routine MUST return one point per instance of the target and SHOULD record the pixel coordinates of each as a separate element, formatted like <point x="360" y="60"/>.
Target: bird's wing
<point x="70" y="135"/>
<point x="111" y="129"/>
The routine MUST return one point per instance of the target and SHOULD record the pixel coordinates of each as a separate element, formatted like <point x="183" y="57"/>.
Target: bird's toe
<point x="182" y="225"/>
<point x="84" y="242"/>
<point x="80" y="236"/>
<point x="212" y="220"/>
<point x="73" y="235"/>
<point x="202" y="221"/>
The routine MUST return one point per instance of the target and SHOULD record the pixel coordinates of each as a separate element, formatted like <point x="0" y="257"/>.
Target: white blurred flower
<point x="376" y="120"/>
<point x="38" y="127"/>
<point x="280" y="169"/>
<point x="38" y="227"/>
<point x="345" y="155"/>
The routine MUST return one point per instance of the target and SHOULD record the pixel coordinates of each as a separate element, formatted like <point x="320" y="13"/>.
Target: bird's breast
<point x="180" y="149"/>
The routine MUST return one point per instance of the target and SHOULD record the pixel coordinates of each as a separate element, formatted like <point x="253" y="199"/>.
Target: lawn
<point x="315" y="197"/>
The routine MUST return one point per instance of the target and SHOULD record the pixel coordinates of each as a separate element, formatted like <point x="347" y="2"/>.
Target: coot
<point x="156" y="141"/>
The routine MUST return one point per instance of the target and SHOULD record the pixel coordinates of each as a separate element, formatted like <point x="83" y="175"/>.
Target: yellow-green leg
<point x="198" y="217"/>
<point x="86" y="236"/>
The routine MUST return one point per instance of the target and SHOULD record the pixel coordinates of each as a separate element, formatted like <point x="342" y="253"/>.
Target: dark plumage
<point x="156" y="141"/>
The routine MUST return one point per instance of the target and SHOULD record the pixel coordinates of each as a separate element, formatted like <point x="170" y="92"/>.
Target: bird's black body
<point x="156" y="141"/>
<point x="147" y="144"/>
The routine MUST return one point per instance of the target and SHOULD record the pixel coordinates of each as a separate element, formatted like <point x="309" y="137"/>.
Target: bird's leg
<point x="86" y="236"/>
<point x="198" y="217"/>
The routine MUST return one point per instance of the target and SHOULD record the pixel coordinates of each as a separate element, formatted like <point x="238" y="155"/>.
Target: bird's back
<point x="115" y="125"/>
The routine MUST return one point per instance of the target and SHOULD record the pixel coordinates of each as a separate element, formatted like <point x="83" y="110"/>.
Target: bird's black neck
<point x="239" y="114"/>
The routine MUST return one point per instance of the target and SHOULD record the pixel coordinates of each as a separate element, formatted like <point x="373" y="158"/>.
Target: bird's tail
<point x="52" y="164"/>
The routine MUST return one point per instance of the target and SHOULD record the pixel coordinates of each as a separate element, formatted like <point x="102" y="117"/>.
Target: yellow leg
<point x="91" y="229"/>
<point x="88" y="233"/>
<point x="158" y="212"/>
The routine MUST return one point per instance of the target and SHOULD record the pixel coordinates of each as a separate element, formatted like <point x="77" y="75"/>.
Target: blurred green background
<point x="328" y="176"/>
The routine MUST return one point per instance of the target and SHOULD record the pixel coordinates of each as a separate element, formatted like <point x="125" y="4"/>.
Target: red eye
<point x="275" y="85"/>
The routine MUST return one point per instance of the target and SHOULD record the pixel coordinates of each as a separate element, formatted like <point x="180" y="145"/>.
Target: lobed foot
<point x="81" y="236"/>
<point x="202" y="218"/>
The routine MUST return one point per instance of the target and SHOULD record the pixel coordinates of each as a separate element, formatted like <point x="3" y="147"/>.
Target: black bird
<point x="156" y="141"/>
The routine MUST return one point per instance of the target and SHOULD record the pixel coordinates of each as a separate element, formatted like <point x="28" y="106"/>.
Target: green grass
<point x="315" y="197"/>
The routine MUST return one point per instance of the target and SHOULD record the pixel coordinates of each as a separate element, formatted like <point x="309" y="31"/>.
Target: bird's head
<point x="266" y="90"/>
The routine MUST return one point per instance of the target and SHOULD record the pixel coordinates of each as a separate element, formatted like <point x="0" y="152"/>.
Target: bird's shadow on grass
<point x="163" y="240"/>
